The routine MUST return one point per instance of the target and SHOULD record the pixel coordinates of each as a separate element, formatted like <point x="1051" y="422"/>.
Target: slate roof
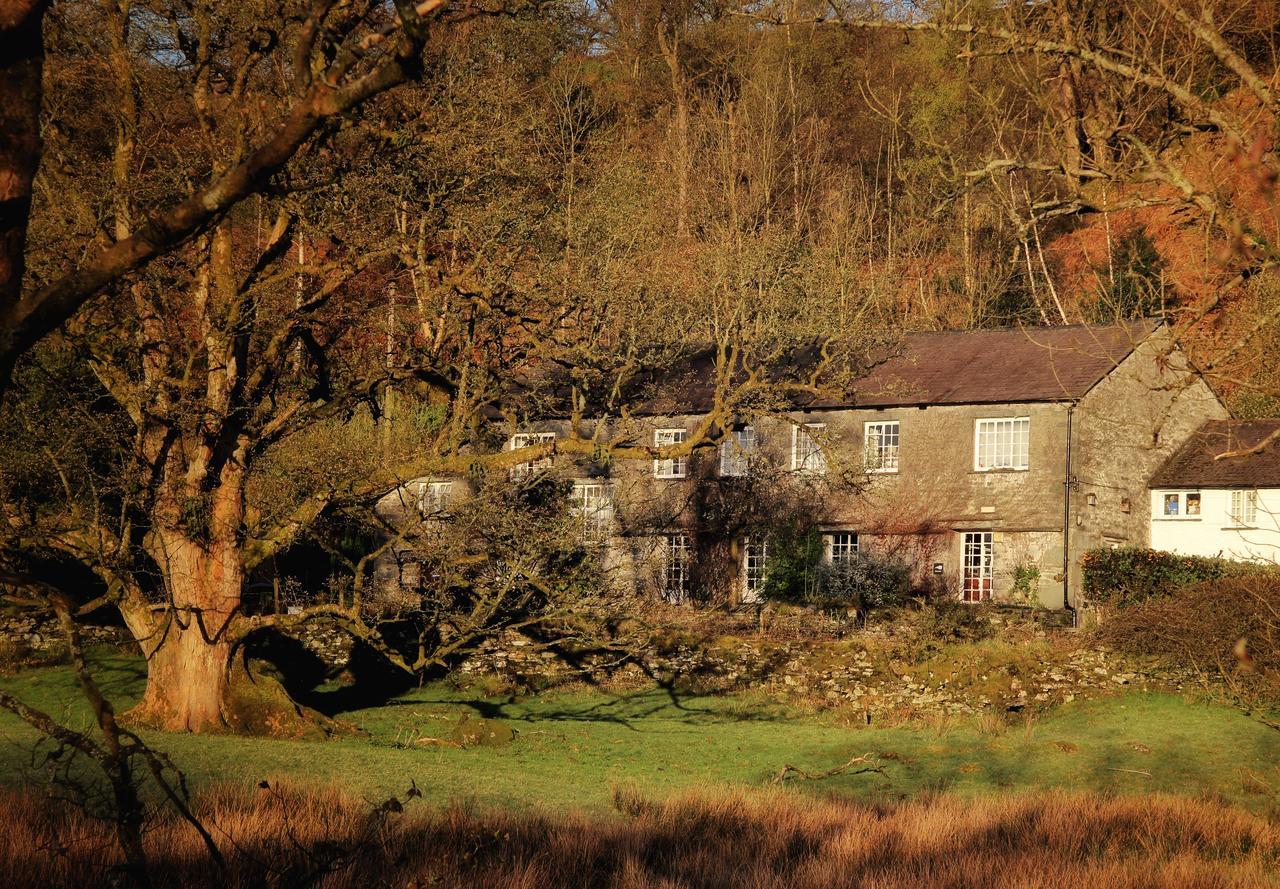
<point x="1028" y="364"/>
<point x="985" y="366"/>
<point x="1194" y="465"/>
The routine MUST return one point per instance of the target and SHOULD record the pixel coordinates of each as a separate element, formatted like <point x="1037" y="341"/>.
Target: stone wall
<point x="857" y="674"/>
<point x="887" y="670"/>
<point x="1124" y="429"/>
<point x="878" y="672"/>
<point x="27" y="637"/>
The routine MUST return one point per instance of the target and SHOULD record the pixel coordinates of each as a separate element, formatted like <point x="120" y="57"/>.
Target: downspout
<point x="1066" y="523"/>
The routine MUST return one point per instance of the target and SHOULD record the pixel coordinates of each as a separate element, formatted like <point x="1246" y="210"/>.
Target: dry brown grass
<point x="758" y="840"/>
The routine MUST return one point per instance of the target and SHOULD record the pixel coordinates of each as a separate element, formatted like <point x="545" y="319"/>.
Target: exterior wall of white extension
<point x="1219" y="493"/>
<point x="1238" y="523"/>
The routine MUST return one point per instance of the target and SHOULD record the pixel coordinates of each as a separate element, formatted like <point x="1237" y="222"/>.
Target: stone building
<point x="990" y="460"/>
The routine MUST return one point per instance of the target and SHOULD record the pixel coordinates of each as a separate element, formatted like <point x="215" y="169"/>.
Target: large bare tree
<point x="331" y="58"/>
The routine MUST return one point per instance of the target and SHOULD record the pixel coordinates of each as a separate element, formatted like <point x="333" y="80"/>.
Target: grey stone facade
<point x="1117" y="429"/>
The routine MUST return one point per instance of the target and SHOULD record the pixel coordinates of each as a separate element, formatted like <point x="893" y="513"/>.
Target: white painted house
<point x="1206" y="504"/>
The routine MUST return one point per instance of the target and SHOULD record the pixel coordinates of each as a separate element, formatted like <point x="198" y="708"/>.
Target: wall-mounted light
<point x="1091" y="499"/>
<point x="1124" y="505"/>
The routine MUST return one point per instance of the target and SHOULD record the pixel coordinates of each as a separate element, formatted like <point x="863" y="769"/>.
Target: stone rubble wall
<point x="841" y="674"/>
<point x="38" y="636"/>
<point x="1039" y="665"/>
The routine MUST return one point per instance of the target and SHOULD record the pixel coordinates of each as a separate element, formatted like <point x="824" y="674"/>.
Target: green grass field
<point x="570" y="748"/>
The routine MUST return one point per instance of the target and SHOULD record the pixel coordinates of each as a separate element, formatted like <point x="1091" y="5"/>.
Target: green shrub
<point x="795" y="567"/>
<point x="1129" y="575"/>
<point x="863" y="581"/>
<point x="1026" y="583"/>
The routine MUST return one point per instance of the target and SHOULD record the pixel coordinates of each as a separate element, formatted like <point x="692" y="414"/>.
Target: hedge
<point x="1129" y="575"/>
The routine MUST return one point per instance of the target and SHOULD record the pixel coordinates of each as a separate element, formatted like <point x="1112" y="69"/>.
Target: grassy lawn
<point x="572" y="747"/>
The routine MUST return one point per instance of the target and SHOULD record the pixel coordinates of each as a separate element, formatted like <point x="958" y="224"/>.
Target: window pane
<point x="669" y="467"/>
<point x="806" y="454"/>
<point x="844" y="545"/>
<point x="736" y="452"/>
<point x="594" y="504"/>
<point x="978" y="564"/>
<point x="675" y="567"/>
<point x="1003" y="443"/>
<point x="755" y="557"/>
<point x="881" y="446"/>
<point x="525" y="440"/>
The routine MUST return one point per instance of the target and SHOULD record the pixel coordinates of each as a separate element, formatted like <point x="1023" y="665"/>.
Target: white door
<point x="754" y="559"/>
<point x="979" y="559"/>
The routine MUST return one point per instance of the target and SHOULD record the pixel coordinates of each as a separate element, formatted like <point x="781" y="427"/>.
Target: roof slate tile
<point x="1195" y="464"/>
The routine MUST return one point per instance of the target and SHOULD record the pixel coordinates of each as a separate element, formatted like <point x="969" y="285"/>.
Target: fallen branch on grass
<point x="788" y="771"/>
<point x="1131" y="771"/>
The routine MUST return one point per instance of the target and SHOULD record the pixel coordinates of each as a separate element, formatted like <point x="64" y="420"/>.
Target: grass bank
<point x="571" y="748"/>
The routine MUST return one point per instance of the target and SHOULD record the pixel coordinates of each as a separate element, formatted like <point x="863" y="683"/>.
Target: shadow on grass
<point x="666" y="702"/>
<point x="373" y="684"/>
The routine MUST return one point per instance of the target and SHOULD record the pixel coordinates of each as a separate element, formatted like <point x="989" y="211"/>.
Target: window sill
<point x="670" y="478"/>
<point x="1001" y="470"/>
<point x="882" y="472"/>
<point x="1176" y="518"/>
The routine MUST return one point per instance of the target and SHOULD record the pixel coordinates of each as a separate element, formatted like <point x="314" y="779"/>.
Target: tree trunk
<point x="670" y="47"/>
<point x="21" y="70"/>
<point x="189" y="655"/>
<point x="187" y="681"/>
<point x="199" y="675"/>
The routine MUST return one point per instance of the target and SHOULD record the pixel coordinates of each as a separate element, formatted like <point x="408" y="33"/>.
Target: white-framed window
<point x="979" y="564"/>
<point x="593" y="503"/>
<point x="841" y="545"/>
<point x="670" y="467"/>
<point x="881" y="445"/>
<point x="433" y="498"/>
<point x="806" y="450"/>
<point x="736" y="452"/>
<point x="755" y="566"/>
<point x="1002" y="443"/>
<point x="528" y="440"/>
<point x="1242" y="508"/>
<point x="675" y="566"/>
<point x="1183" y="505"/>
